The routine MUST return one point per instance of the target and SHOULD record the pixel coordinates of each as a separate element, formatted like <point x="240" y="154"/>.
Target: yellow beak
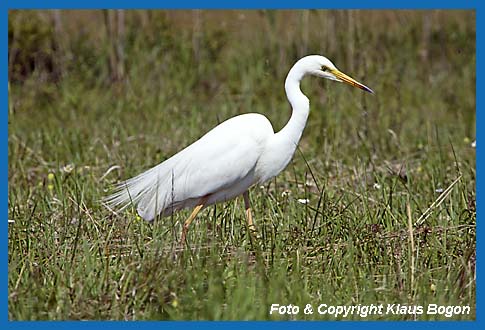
<point x="351" y="81"/>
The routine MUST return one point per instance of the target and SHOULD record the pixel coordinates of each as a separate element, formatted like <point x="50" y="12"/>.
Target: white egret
<point x="229" y="159"/>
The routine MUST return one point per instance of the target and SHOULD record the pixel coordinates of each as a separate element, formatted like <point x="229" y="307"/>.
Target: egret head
<point x="321" y="66"/>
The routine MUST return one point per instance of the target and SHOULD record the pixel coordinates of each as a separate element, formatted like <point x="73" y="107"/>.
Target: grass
<point x="377" y="206"/>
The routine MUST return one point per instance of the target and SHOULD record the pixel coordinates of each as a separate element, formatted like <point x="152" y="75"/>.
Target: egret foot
<point x="247" y="206"/>
<point x="249" y="216"/>
<point x="187" y="224"/>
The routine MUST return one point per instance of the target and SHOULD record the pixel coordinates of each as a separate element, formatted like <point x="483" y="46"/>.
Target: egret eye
<point x="324" y="69"/>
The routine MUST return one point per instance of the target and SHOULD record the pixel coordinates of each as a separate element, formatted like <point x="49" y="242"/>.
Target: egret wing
<point x="217" y="166"/>
<point x="217" y="161"/>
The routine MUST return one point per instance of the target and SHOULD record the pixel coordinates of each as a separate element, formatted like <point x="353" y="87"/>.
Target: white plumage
<point x="229" y="159"/>
<point x="210" y="166"/>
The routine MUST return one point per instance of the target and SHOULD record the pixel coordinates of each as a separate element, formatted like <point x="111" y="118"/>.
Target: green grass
<point x="368" y="165"/>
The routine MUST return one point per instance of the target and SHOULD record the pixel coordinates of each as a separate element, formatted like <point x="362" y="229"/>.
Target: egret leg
<point x="189" y="221"/>
<point x="249" y="216"/>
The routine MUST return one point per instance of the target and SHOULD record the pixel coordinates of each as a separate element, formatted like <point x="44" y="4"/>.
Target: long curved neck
<point x="300" y="104"/>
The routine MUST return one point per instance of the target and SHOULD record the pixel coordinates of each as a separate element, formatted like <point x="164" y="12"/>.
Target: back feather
<point x="151" y="191"/>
